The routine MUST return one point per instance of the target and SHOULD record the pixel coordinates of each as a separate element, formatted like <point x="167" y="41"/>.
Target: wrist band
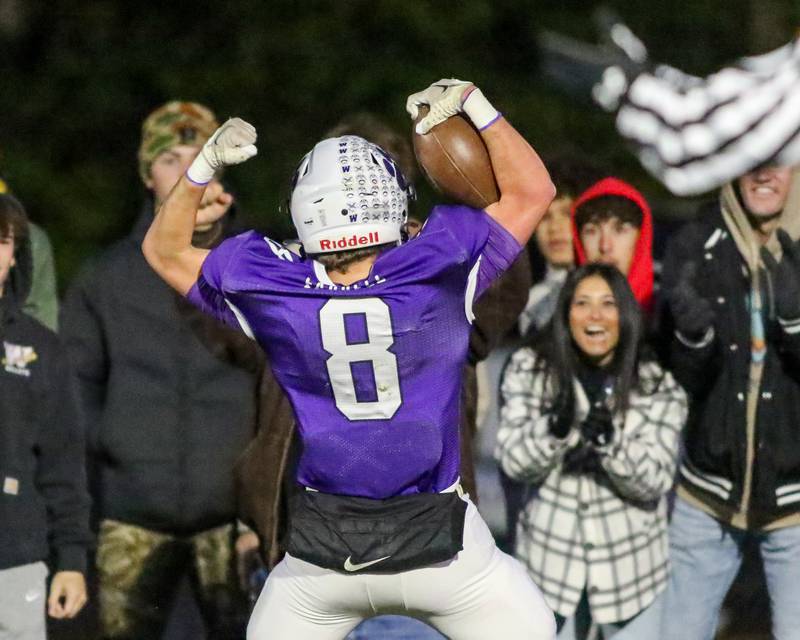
<point x="200" y="172"/>
<point x="480" y="110"/>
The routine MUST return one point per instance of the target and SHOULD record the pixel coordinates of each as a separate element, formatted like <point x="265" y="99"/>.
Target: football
<point x="456" y="162"/>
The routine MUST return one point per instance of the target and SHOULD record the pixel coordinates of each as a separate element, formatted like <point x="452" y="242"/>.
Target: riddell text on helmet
<point x="349" y="241"/>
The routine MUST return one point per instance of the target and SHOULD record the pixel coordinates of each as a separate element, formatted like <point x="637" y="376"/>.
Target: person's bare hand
<point x="246" y="556"/>
<point x="215" y="204"/>
<point x="67" y="594"/>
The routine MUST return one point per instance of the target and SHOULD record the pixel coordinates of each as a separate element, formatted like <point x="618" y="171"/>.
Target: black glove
<point x="598" y="428"/>
<point x="692" y="313"/>
<point x="559" y="426"/>
<point x="785" y="277"/>
<point x="561" y="419"/>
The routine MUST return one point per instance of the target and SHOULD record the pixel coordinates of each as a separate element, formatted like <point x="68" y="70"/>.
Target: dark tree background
<point x="78" y="77"/>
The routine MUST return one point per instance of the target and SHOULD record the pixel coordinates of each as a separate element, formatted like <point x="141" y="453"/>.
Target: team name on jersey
<point x="347" y="242"/>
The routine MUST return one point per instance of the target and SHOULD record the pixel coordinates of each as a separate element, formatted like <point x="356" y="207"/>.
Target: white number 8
<point x="375" y="350"/>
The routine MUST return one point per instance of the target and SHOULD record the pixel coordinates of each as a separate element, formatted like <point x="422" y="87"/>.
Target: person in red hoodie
<point x="612" y="224"/>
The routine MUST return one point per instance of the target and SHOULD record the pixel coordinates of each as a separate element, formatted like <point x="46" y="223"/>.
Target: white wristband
<point x="200" y="171"/>
<point x="480" y="110"/>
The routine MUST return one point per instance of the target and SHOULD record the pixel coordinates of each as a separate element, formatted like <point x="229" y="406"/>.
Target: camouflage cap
<point x="173" y="124"/>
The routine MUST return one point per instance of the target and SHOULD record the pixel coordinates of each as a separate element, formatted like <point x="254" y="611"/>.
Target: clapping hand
<point x="598" y="427"/>
<point x="561" y="418"/>
<point x="785" y="277"/>
<point x="692" y="313"/>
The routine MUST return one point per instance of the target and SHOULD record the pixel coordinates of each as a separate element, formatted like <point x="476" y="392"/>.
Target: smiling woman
<point x="594" y="423"/>
<point x="594" y="320"/>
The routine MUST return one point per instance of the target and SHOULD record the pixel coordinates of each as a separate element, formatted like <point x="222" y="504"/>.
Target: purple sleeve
<point x="208" y="293"/>
<point x="498" y="254"/>
<point x="483" y="239"/>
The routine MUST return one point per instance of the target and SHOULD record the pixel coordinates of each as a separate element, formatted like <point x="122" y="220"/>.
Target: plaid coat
<point x="605" y="532"/>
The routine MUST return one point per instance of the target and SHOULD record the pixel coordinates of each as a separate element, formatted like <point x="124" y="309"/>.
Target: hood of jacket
<point x="18" y="285"/>
<point x="741" y="229"/>
<point x="640" y="276"/>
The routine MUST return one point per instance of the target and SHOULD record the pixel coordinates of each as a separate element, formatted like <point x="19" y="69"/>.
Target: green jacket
<point x="42" y="301"/>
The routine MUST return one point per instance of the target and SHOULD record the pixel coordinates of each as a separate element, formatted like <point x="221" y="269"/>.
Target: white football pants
<point x="481" y="594"/>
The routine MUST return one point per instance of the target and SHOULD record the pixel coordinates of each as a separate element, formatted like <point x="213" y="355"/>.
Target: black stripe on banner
<point x="720" y="148"/>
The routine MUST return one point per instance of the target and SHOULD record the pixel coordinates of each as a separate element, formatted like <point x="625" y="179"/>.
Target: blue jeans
<point x="643" y="626"/>
<point x="394" y="628"/>
<point x="706" y="555"/>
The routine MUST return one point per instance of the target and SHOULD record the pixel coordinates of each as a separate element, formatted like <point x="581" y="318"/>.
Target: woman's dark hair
<point x="561" y="359"/>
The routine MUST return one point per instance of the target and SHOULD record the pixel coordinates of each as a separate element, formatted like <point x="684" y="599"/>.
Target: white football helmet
<point x="347" y="193"/>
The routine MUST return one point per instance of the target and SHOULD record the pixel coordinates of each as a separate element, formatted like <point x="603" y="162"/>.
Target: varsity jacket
<point x="745" y="472"/>
<point x="603" y="531"/>
<point x="44" y="504"/>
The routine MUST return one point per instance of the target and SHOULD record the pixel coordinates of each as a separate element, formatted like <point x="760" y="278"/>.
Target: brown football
<point x="454" y="159"/>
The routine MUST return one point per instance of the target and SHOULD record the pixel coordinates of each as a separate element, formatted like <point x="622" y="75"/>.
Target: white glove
<point x="448" y="97"/>
<point x="232" y="143"/>
<point x="612" y="86"/>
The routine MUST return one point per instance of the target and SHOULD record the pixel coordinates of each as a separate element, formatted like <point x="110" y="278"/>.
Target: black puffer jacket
<point x="716" y="464"/>
<point x="44" y="505"/>
<point x="167" y="417"/>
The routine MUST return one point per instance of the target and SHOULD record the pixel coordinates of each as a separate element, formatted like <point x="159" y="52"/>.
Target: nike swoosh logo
<point x="31" y="596"/>
<point x="349" y="566"/>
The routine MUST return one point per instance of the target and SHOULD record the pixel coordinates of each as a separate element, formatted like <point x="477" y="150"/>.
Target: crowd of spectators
<point x="627" y="532"/>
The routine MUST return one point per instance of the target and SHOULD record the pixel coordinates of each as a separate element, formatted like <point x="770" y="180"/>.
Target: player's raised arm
<point x="525" y="187"/>
<point x="167" y="247"/>
<point x="524" y="184"/>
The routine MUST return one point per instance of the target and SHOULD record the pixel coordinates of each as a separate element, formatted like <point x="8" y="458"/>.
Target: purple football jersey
<point x="373" y="370"/>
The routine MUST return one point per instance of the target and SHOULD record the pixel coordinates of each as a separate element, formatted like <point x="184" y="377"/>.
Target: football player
<point x="368" y="337"/>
